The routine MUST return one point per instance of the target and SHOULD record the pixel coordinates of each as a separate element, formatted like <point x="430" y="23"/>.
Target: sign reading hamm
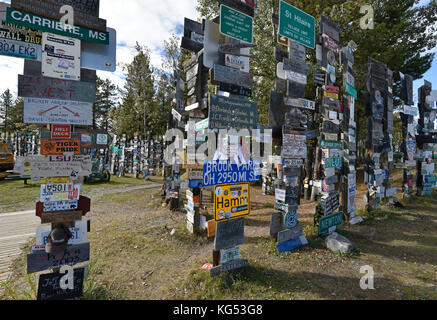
<point x="231" y="201"/>
<point x="297" y="25"/>
<point x="32" y="21"/>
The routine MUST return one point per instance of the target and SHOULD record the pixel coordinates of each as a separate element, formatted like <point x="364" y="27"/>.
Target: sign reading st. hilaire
<point x="32" y="21"/>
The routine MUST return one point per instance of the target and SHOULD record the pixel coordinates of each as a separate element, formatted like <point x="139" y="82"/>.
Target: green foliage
<point x="105" y="102"/>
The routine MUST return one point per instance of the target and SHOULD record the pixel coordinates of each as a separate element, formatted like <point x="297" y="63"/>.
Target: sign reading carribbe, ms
<point x="32" y="21"/>
<point x="225" y="172"/>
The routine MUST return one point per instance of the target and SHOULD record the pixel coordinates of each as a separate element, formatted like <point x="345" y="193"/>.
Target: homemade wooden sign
<point x="49" y="286"/>
<point x="232" y="76"/>
<point x="294" y="146"/>
<point x="329" y="222"/>
<point x="91" y="7"/>
<point x="229" y="234"/>
<point x="41" y="261"/>
<point x="229" y="266"/>
<point x="231" y="201"/>
<point x="292" y="244"/>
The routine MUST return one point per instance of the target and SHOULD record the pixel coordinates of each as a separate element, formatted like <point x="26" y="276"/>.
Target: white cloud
<point x="148" y="22"/>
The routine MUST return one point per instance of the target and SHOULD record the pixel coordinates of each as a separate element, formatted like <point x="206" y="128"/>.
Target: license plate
<point x="18" y="49"/>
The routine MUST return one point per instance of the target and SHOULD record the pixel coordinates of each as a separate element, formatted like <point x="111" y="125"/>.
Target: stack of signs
<point x="58" y="89"/>
<point x="379" y="110"/>
<point x="348" y="128"/>
<point x="227" y="52"/>
<point x="293" y="115"/>
<point x="409" y="145"/>
<point x="331" y="156"/>
<point x="426" y="140"/>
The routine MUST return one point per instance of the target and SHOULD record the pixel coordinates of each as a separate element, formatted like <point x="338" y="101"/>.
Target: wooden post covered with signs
<point x="58" y="87"/>
<point x="426" y="140"/>
<point x="409" y="145"/>
<point x="329" y="162"/>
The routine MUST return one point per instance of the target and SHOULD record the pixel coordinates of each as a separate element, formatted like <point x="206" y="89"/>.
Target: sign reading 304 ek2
<point x="231" y="201"/>
<point x="29" y="20"/>
<point x="297" y="25"/>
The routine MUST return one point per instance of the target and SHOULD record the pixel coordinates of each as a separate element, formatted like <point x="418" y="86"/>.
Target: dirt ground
<point x="135" y="257"/>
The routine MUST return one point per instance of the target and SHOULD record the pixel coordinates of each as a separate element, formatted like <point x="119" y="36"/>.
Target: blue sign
<point x="289" y="245"/>
<point x="225" y="172"/>
<point x="195" y="184"/>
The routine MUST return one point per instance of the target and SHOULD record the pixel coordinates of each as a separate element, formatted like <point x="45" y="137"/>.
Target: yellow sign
<point x="331" y="95"/>
<point x="231" y="201"/>
<point x="58" y="180"/>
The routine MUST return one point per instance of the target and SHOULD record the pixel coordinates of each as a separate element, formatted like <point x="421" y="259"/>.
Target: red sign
<point x="61" y="131"/>
<point x="332" y="89"/>
<point x="331" y="45"/>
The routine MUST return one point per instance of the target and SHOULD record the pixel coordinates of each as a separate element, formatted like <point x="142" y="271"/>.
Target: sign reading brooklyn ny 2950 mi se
<point x="32" y="21"/>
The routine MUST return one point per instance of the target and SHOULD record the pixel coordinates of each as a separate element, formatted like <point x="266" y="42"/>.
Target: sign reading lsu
<point x="231" y="201"/>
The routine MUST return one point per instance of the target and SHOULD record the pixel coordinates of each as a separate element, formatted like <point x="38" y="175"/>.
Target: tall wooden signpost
<point x="426" y="140"/>
<point x="59" y="93"/>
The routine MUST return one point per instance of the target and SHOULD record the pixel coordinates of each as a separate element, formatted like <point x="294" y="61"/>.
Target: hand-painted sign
<point x="60" y="57"/>
<point x="331" y="203"/>
<point x="225" y="172"/>
<point x="42" y="261"/>
<point x="232" y="265"/>
<point x="50" y="88"/>
<point x="227" y="113"/>
<point x="231" y="201"/>
<point x="229" y="234"/>
<point x="297" y="25"/>
<point x="236" y="24"/>
<point x="327" y="223"/>
<point x="232" y="76"/>
<point x="57" y="147"/>
<point x="29" y="20"/>
<point x="294" y="146"/>
<point x="291" y="220"/>
<point x="51" y="9"/>
<point x="53" y="166"/>
<point x="326" y="144"/>
<point x="49" y="286"/>
<point x="57" y="112"/>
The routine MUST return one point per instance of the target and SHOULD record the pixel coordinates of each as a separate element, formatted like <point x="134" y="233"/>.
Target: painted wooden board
<point x="292" y="244"/>
<point x="326" y="223"/>
<point x="289" y="234"/>
<point x="232" y="76"/>
<point x="42" y="261"/>
<point x="295" y="66"/>
<point x="233" y="265"/>
<point x="229" y="234"/>
<point x="229" y="255"/>
<point x="49" y="286"/>
<point x="191" y="45"/>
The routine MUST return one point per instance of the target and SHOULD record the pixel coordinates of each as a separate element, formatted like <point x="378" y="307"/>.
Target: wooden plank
<point x="229" y="234"/>
<point x="232" y="76"/>
<point x="330" y="28"/>
<point x="42" y="261"/>
<point x="191" y="45"/>
<point x="50" y="9"/>
<point x="295" y="66"/>
<point x="192" y="26"/>
<point x="232" y="265"/>
<point x="50" y="88"/>
<point x="237" y="90"/>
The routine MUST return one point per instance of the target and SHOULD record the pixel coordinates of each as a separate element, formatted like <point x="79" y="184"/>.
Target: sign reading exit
<point x="297" y="25"/>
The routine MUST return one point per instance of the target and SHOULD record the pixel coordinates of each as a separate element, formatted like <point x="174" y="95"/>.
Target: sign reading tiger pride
<point x="57" y="147"/>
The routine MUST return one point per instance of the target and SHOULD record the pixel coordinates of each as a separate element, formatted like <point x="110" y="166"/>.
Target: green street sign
<point x="325" y="144"/>
<point x="350" y="90"/>
<point x="326" y="223"/>
<point x="32" y="21"/>
<point x="235" y="24"/>
<point x="297" y="25"/>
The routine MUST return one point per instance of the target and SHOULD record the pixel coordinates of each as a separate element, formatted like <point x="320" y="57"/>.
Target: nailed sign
<point x="233" y="76"/>
<point x="229" y="234"/>
<point x="55" y="147"/>
<point x="232" y="265"/>
<point x="57" y="112"/>
<point x="49" y="88"/>
<point x="236" y="24"/>
<point x="42" y="261"/>
<point x="294" y="146"/>
<point x="326" y="223"/>
<point x="29" y="20"/>
<point x="297" y="25"/>
<point x="49" y="286"/>
<point x="231" y="201"/>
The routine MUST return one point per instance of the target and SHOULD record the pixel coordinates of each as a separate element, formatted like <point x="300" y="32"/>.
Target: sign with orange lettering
<point x="57" y="147"/>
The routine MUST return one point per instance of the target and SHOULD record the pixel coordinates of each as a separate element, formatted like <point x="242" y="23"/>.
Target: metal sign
<point x="231" y="201"/>
<point x="292" y="244"/>
<point x="29" y="20"/>
<point x="61" y="131"/>
<point x="229" y="255"/>
<point x="96" y="56"/>
<point x="42" y="261"/>
<point x="60" y="57"/>
<point x="297" y="25"/>
<point x="232" y="113"/>
<point x="327" y="223"/>
<point x="237" y="90"/>
<point x="57" y="112"/>
<point x="49" y="88"/>
<point x="236" y="62"/>
<point x="51" y="9"/>
<point x="60" y="192"/>
<point x="79" y="232"/>
<point x="49" y="286"/>
<point x="229" y="234"/>
<point x="325" y="144"/>
<point x="236" y="24"/>
<point x="226" y="172"/>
